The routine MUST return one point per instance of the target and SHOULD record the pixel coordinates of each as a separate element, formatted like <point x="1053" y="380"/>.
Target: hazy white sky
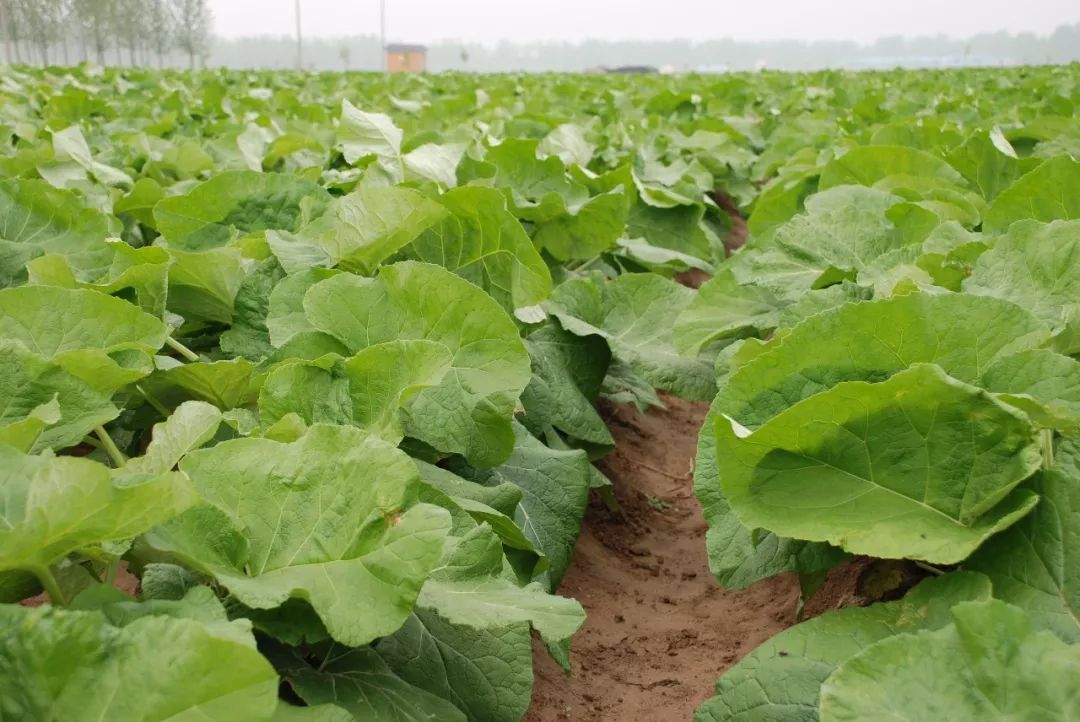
<point x="523" y="20"/>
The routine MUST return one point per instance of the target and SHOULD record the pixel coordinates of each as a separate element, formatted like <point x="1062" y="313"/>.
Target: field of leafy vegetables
<point x="298" y="377"/>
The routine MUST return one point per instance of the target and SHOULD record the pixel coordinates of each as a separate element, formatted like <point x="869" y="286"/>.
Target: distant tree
<point x="40" y="22"/>
<point x="96" y="19"/>
<point x="8" y="30"/>
<point x="1064" y="44"/>
<point x="192" y="28"/>
<point x="16" y="30"/>
<point x="131" y="21"/>
<point x="160" y="28"/>
<point x="64" y="23"/>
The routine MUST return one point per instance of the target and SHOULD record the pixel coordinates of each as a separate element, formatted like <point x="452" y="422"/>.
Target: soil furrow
<point x="660" y="629"/>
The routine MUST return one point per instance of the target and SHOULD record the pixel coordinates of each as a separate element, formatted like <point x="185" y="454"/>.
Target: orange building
<point x="406" y="58"/>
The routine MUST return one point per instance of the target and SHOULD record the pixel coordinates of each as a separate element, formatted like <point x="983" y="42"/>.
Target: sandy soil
<point x="660" y="629"/>
<point x="737" y="236"/>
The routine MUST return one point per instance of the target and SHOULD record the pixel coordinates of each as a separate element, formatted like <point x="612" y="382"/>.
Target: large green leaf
<point x="358" y="231"/>
<point x="1034" y="565"/>
<point x="23" y="433"/>
<point x="738" y="555"/>
<point x="988" y="664"/>
<point x="989" y="162"/>
<point x="667" y="184"/>
<point x="481" y="241"/>
<point x="72" y="151"/>
<point x="67" y="665"/>
<point x="315" y="392"/>
<point x="236" y="203"/>
<point x="875" y="165"/>
<point x="36" y="218"/>
<point x="844" y="228"/>
<point x="660" y="260"/>
<point x="781" y="679"/>
<point x="918" y="466"/>
<point x="249" y="336"/>
<point x="818" y="301"/>
<point x="568" y="371"/>
<point x="636" y="313"/>
<point x="360" y="682"/>
<point x="538" y="188"/>
<point x="569" y="142"/>
<point x="368" y="389"/>
<point x="842" y="231"/>
<point x="503" y="497"/>
<point x="1044" y="384"/>
<point x="585" y="230"/>
<point x="29" y="382"/>
<point x="362" y="135"/>
<point x="197" y="602"/>
<point x="470" y="411"/>
<point x="329" y="712"/>
<point x="1036" y="266"/>
<point x="962" y="334"/>
<point x="680" y="229"/>
<point x="555" y="489"/>
<point x="203" y="284"/>
<point x="570" y="222"/>
<point x="193" y="424"/>
<point x="321" y="519"/>
<point x="724" y="308"/>
<point x="1048" y="193"/>
<point x="104" y="341"/>
<point x="226" y="384"/>
<point x="486" y="673"/>
<point x="285" y="308"/>
<point x="471" y="588"/>
<point x="467" y="513"/>
<point x="53" y="506"/>
<point x="623" y="385"/>
<point x="779" y="202"/>
<point x="143" y="272"/>
<point x="140" y="201"/>
<point x="434" y="162"/>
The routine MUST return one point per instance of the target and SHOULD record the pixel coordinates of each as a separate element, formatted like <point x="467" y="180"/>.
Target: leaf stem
<point x="929" y="568"/>
<point x="157" y="405"/>
<point x="52" y="587"/>
<point x="107" y="443"/>
<point x="110" y="572"/>
<point x="582" y="266"/>
<point x="1046" y="441"/>
<point x="181" y="349"/>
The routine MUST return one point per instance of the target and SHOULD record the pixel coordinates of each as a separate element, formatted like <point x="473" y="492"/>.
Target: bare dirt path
<point x="659" y="629"/>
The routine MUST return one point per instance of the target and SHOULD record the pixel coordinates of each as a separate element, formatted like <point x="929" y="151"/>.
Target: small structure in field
<point x="406" y="58"/>
<point x="634" y="70"/>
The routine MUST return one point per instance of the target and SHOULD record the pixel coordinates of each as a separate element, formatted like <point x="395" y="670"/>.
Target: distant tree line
<point x="362" y="53"/>
<point x="178" y="32"/>
<point x="121" y="32"/>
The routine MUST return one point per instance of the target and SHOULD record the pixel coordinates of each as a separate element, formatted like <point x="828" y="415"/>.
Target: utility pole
<point x="299" y="40"/>
<point x="382" y="32"/>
